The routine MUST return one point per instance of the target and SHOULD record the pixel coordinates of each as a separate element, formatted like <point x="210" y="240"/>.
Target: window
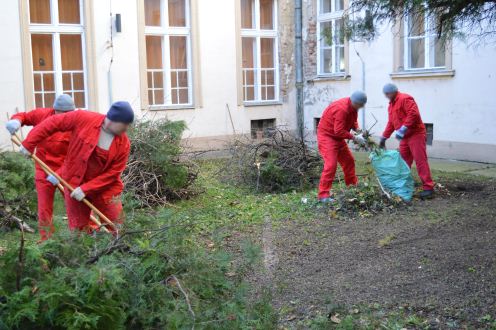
<point x="430" y="133"/>
<point x="259" y="50"/>
<point x="262" y="128"/>
<point x="57" y="50"/>
<point x="168" y="52"/>
<point x="423" y="49"/>
<point x="331" y="57"/>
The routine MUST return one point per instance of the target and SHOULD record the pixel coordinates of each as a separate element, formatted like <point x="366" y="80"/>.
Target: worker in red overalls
<point x="96" y="158"/>
<point x="51" y="151"/>
<point x="404" y="117"/>
<point x="334" y="129"/>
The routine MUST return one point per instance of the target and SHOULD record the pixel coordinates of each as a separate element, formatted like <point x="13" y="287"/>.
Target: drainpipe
<point x="363" y="85"/>
<point x="299" y="68"/>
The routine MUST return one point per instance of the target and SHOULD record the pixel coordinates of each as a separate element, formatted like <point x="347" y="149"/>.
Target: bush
<point x="156" y="171"/>
<point x="280" y="163"/>
<point x="146" y="279"/>
<point x="17" y="191"/>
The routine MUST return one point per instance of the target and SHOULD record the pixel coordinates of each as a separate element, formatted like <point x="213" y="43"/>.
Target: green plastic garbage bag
<point x="393" y="173"/>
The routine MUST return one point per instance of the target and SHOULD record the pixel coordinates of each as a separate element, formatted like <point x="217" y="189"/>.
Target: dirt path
<point x="437" y="257"/>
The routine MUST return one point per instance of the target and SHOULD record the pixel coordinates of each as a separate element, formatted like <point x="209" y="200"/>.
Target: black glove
<point x="382" y="144"/>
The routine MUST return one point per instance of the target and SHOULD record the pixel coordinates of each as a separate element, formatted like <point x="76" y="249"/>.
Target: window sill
<point x="261" y="104"/>
<point x="171" y="107"/>
<point x="336" y="77"/>
<point x="423" y="74"/>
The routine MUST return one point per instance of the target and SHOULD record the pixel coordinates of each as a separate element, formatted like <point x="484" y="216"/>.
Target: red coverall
<point x="403" y="111"/>
<point x="52" y="152"/>
<point x="334" y="128"/>
<point x="96" y="171"/>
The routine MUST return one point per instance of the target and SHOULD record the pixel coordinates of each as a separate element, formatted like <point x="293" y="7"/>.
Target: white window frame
<point x="429" y="39"/>
<point x="55" y="28"/>
<point x="332" y="17"/>
<point x="257" y="33"/>
<point x="164" y="31"/>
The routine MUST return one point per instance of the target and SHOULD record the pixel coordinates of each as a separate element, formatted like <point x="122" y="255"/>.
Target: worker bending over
<point x="52" y="151"/>
<point x="334" y="129"/>
<point x="404" y="117"/>
<point x="97" y="156"/>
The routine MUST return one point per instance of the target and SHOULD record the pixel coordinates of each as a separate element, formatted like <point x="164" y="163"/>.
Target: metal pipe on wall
<point x="299" y="67"/>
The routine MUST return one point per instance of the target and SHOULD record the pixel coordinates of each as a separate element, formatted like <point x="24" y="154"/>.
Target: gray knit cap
<point x="389" y="88"/>
<point x="64" y="103"/>
<point x="359" y="97"/>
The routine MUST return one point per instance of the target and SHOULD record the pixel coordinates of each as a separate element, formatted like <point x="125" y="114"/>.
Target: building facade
<point x="227" y="67"/>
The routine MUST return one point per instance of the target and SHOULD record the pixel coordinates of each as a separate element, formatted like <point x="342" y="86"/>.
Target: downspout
<point x="111" y="46"/>
<point x="363" y="85"/>
<point x="299" y="68"/>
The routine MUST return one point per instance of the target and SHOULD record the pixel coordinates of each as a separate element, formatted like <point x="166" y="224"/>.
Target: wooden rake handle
<point x="65" y="184"/>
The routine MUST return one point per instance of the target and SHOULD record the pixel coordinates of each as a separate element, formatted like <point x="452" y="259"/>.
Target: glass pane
<point x="37" y="81"/>
<point x="78" y="81"/>
<point x="177" y="12"/>
<point x="327" y="60"/>
<point x="182" y="79"/>
<point x="326" y="35"/>
<point x="266" y="14"/>
<point x="340" y="59"/>
<point x="249" y="93"/>
<point x="159" y="96"/>
<point x="339" y="33"/>
<point x="338" y="5"/>
<point x="248" y="49"/>
<point x="416" y="25"/>
<point x="178" y="50"/>
<point x="49" y="99"/>
<point x="269" y="77"/>
<point x="71" y="52"/>
<point x="38" y="100"/>
<point x="39" y="11"/>
<point x="42" y="52"/>
<point x="69" y="12"/>
<point x="66" y="81"/>
<point x="268" y="93"/>
<point x="154" y="52"/>
<point x="267" y="52"/>
<point x="247" y="14"/>
<point x="183" y="96"/>
<point x="416" y="56"/>
<point x="325" y="6"/>
<point x="48" y="82"/>
<point x="439" y="52"/>
<point x="158" y="80"/>
<point x="152" y="13"/>
<point x="79" y="100"/>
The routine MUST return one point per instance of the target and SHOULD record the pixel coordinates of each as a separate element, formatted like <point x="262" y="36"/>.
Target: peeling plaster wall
<point x="462" y="108"/>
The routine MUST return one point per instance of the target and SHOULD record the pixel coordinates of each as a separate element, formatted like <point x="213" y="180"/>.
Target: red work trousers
<point x="46" y="193"/>
<point x="79" y="214"/>
<point x="333" y="152"/>
<point x="413" y="148"/>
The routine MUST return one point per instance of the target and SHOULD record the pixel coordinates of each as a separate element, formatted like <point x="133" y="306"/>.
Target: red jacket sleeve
<point x="389" y="129"/>
<point x="339" y="126"/>
<point x="412" y="112"/>
<point x="31" y="118"/>
<point x="60" y="123"/>
<point x="106" y="179"/>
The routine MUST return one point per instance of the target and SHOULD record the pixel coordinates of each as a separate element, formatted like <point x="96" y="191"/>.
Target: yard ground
<point x="428" y="265"/>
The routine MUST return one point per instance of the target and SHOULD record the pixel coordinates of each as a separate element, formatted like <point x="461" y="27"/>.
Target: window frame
<point x="332" y="16"/>
<point x="165" y="32"/>
<point x="257" y="33"/>
<point x="429" y="39"/>
<point x="55" y="28"/>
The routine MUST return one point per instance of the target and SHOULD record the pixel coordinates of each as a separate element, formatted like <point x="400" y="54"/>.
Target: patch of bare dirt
<point x="436" y="256"/>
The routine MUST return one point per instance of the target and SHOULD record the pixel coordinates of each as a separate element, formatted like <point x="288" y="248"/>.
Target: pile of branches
<point x="279" y="162"/>
<point x="157" y="172"/>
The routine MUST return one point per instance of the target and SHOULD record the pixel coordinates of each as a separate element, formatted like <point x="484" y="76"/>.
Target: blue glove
<point x="13" y="126"/>
<point x="24" y="152"/>
<point x="400" y="134"/>
<point x="52" y="179"/>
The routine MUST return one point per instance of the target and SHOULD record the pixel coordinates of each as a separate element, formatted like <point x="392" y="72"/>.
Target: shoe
<point x="426" y="194"/>
<point x="326" y="200"/>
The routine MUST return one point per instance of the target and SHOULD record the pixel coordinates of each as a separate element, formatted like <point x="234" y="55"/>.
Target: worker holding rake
<point x="334" y="129"/>
<point x="51" y="151"/>
<point x="96" y="157"/>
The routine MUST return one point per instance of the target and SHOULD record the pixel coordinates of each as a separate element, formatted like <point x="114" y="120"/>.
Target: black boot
<point x="426" y="194"/>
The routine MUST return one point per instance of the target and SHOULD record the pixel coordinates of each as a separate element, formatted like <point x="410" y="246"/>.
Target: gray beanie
<point x="64" y="103"/>
<point x="359" y="97"/>
<point x="389" y="88"/>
